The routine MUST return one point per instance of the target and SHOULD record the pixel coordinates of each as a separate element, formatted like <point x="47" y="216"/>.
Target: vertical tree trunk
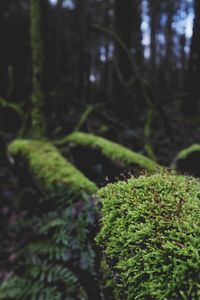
<point x="123" y="23"/>
<point x="153" y="25"/>
<point x="190" y="104"/>
<point x="38" y="126"/>
<point x="123" y="28"/>
<point x="137" y="34"/>
<point x="3" y="49"/>
<point x="58" y="38"/>
<point x="83" y="8"/>
<point x="182" y="42"/>
<point x="169" y="43"/>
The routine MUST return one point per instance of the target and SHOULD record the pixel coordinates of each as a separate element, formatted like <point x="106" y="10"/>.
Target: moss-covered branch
<point x="110" y="149"/>
<point x="38" y="126"/>
<point x="58" y="259"/>
<point x="183" y="154"/>
<point x="48" y="167"/>
<point x="151" y="235"/>
<point x="188" y="160"/>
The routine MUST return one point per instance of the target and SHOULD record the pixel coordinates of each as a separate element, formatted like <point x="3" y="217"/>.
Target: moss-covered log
<point x="111" y="150"/>
<point x="59" y="259"/>
<point x="38" y="126"/>
<point x="151" y="236"/>
<point x="48" y="167"/>
<point x="188" y="160"/>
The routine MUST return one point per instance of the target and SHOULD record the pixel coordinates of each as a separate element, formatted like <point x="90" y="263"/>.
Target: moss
<point x="188" y="160"/>
<point x="48" y="167"/>
<point x="110" y="149"/>
<point x="151" y="236"/>
<point x="108" y="285"/>
<point x="186" y="152"/>
<point x="38" y="126"/>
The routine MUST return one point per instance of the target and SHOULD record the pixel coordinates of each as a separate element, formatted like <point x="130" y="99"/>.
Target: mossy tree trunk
<point x="38" y="125"/>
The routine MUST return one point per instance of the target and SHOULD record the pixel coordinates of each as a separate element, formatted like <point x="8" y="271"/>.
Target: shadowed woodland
<point x="99" y="149"/>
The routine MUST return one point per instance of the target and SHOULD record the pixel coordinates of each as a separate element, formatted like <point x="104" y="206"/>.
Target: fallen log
<point x="188" y="160"/>
<point x="47" y="166"/>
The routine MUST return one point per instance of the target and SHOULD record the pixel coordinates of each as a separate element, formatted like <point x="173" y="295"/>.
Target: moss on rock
<point x="110" y="149"/>
<point x="48" y="167"/>
<point x="151" y="236"/>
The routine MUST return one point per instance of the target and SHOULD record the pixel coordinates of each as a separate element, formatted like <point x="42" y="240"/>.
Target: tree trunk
<point x="38" y="125"/>
<point x="123" y="23"/>
<point x="190" y="104"/>
<point x="137" y="35"/>
<point x="153" y="26"/>
<point x="123" y="28"/>
<point x="169" y="43"/>
<point x="84" y="50"/>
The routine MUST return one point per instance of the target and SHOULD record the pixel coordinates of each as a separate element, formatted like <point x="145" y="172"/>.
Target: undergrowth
<point x="58" y="260"/>
<point x="151" y="236"/>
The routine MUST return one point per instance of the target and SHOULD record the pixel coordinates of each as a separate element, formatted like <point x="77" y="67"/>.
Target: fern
<point x="59" y="256"/>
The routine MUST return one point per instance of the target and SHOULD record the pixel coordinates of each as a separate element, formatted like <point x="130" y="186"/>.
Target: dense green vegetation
<point x="150" y="236"/>
<point x="58" y="260"/>
<point x="94" y="93"/>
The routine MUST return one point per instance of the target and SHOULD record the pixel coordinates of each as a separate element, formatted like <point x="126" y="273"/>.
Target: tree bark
<point x="153" y="25"/>
<point x="190" y="103"/>
<point x="137" y="34"/>
<point x="38" y="125"/>
<point x="169" y="43"/>
<point x="123" y="29"/>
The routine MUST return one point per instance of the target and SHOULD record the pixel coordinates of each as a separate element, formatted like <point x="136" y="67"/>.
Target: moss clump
<point x="188" y="160"/>
<point x="48" y="167"/>
<point x="151" y="236"/>
<point x="110" y="149"/>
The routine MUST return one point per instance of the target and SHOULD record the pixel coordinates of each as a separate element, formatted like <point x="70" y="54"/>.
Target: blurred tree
<point x="83" y="20"/>
<point x="191" y="103"/>
<point x="123" y="28"/>
<point x="169" y="57"/>
<point x="153" y="12"/>
<point x="38" y="126"/>
<point x="137" y="33"/>
<point x="128" y="28"/>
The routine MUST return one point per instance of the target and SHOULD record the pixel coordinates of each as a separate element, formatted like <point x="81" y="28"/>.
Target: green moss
<point x="108" y="285"/>
<point x="38" y="126"/>
<point x="186" y="152"/>
<point x="151" y="236"/>
<point x="110" y="149"/>
<point x="48" y="167"/>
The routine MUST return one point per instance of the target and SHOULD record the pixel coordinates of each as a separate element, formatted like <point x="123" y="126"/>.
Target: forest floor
<point x="184" y="134"/>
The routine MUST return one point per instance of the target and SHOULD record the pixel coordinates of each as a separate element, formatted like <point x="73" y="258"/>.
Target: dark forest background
<point x="127" y="70"/>
<point x="119" y="65"/>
